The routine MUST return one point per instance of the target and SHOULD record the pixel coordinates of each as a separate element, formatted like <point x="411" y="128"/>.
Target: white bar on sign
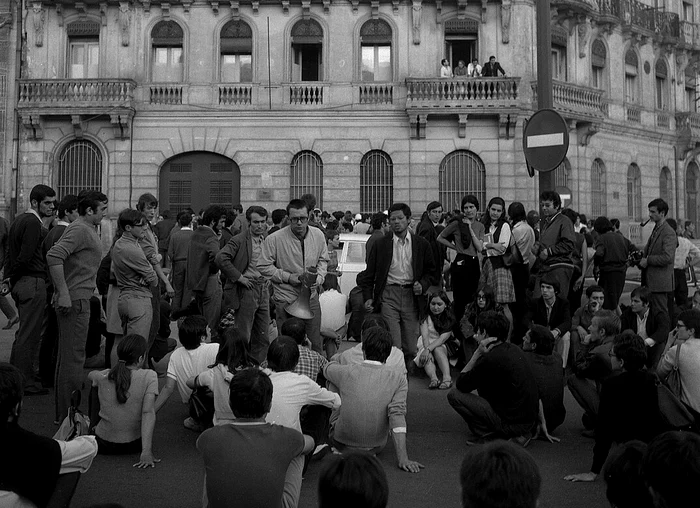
<point x="541" y="140"/>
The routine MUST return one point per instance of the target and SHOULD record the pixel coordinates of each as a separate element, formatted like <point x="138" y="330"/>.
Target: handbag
<point x="512" y="255"/>
<point x="674" y="414"/>
<point x="201" y="405"/>
<point x="673" y="380"/>
<point x="76" y="423"/>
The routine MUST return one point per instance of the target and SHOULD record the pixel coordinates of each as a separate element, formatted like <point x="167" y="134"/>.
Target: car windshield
<point x="356" y="252"/>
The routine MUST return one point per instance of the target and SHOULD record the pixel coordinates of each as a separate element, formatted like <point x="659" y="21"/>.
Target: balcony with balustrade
<point x="689" y="36"/>
<point x="688" y="129"/>
<point x="639" y="18"/>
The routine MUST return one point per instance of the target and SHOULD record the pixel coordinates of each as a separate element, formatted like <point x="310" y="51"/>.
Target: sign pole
<point x="544" y="74"/>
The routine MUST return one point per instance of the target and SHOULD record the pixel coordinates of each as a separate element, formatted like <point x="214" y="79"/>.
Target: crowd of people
<point x="260" y="317"/>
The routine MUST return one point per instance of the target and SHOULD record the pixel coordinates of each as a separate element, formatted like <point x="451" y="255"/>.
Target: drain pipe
<point x="19" y="45"/>
<point x="675" y="177"/>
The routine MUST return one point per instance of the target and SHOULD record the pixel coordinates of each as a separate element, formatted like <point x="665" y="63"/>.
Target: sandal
<point x="434" y="384"/>
<point x="446" y="385"/>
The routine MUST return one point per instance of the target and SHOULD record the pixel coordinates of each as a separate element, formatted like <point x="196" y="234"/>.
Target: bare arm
<point x="165" y="393"/>
<point x="148" y="423"/>
<point x="402" y="455"/>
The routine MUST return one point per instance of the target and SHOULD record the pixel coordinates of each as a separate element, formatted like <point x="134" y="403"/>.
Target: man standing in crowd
<point x="246" y="290"/>
<point x="239" y="223"/>
<point x="400" y="269"/>
<point x="285" y="258"/>
<point x="685" y="252"/>
<point x="429" y="228"/>
<point x="178" y="247"/>
<point x="645" y="319"/>
<point x="73" y="264"/>
<point x="202" y="273"/>
<point x="610" y="260"/>
<point x="657" y="263"/>
<point x="25" y="270"/>
<point x="556" y="245"/>
<point x="162" y="230"/>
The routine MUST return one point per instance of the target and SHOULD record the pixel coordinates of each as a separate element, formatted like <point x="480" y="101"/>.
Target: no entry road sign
<point x="545" y="140"/>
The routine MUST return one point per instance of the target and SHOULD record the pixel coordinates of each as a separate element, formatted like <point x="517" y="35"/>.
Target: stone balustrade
<point x="690" y="34"/>
<point x="306" y="94"/>
<point x="376" y="93"/>
<point x="165" y="93"/>
<point x="237" y="94"/>
<point x="462" y="93"/>
<point x="663" y="119"/>
<point x="633" y="114"/>
<point x="577" y="101"/>
<point x="76" y="92"/>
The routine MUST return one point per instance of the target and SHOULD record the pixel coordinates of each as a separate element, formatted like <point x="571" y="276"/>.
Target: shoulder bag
<point x="512" y="255"/>
<point x="673" y="380"/>
<point x="674" y="414"/>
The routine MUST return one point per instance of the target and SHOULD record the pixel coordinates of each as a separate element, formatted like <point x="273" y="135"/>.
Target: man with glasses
<point x="134" y="273"/>
<point x="286" y="257"/>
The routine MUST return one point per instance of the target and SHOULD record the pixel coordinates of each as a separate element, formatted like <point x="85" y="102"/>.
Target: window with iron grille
<point x="376" y="182"/>
<point x="692" y="183"/>
<point x="79" y="167"/>
<point x="634" y="192"/>
<point x="598" y="189"/>
<point x="666" y="186"/>
<point x="306" y="176"/>
<point x="561" y="174"/>
<point x="461" y="172"/>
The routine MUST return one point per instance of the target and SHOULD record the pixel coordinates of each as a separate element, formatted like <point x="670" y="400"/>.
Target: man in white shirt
<point x="474" y="69"/>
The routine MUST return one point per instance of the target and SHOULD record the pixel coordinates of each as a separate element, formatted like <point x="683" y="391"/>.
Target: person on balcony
<point x="445" y="70"/>
<point x="492" y="68"/>
<point x="461" y="70"/>
<point x="474" y="69"/>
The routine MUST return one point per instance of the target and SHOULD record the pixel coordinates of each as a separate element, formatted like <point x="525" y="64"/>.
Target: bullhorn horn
<point x="301" y="307"/>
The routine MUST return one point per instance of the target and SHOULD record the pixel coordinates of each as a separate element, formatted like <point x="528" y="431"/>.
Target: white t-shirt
<point x="333" y="305"/>
<point x="217" y="379"/>
<point x="187" y="363"/>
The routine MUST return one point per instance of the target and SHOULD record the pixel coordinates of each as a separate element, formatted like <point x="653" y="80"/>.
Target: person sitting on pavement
<point x="507" y="404"/>
<point x="484" y="300"/>
<point x="549" y="377"/>
<point x="125" y="416"/>
<point x="687" y="360"/>
<point x="436" y="332"/>
<point x="233" y="356"/>
<point x="624" y="478"/>
<point x="672" y="470"/>
<point x="499" y="474"/>
<point x="583" y="317"/>
<point x="553" y="311"/>
<point x="374" y="401"/>
<point x="334" y="307"/>
<point x="290" y="393"/>
<point x="352" y="480"/>
<point x="32" y="465"/>
<point x="629" y="405"/>
<point x="251" y="450"/>
<point x="593" y="365"/>
<point x="194" y="357"/>
<point x="311" y="363"/>
<point x="650" y="323"/>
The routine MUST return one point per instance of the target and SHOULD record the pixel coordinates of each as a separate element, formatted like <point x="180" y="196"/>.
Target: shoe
<point x="191" y="424"/>
<point x="445" y="385"/>
<point x="34" y="390"/>
<point x="12" y="322"/>
<point x="433" y="384"/>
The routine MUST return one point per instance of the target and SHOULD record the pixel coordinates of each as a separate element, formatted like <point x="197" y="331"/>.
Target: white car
<point x="351" y="259"/>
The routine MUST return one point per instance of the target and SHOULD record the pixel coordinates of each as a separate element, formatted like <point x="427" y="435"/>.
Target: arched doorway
<point x="197" y="180"/>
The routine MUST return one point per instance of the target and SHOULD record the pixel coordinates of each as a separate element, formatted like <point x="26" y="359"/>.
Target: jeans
<point x="613" y="284"/>
<point x="136" y="313"/>
<point x="585" y="391"/>
<point x="209" y="302"/>
<point x="72" y="336"/>
<point x="29" y="294"/>
<point x="399" y="310"/>
<point x="481" y="417"/>
<point x="465" y="272"/>
<point x="253" y="318"/>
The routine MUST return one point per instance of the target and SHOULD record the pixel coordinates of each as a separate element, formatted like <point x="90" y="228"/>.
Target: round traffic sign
<point x="545" y="140"/>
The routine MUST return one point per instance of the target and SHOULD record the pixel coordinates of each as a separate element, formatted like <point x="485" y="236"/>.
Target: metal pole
<point x="544" y="74"/>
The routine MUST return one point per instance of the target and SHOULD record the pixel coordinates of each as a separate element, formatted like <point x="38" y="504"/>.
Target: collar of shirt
<point x="187" y="228"/>
<point x="36" y="214"/>
<point x="372" y="362"/>
<point x="548" y="221"/>
<point x="62" y="223"/>
<point x="406" y="241"/>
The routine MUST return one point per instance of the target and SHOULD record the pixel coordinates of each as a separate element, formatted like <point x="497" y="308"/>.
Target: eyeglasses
<point x="298" y="220"/>
<point x="481" y="297"/>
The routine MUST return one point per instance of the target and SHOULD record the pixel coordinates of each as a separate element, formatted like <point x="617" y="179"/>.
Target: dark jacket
<point x="557" y="237"/>
<point x="593" y="360"/>
<point x="201" y="258"/>
<point x="373" y="279"/>
<point x="233" y="261"/>
<point x="490" y="70"/>
<point x="658" y="326"/>
<point x="24" y="254"/>
<point x="427" y="230"/>
<point x="549" y="377"/>
<point x="611" y="252"/>
<point x="660" y="251"/>
<point x="560" y="317"/>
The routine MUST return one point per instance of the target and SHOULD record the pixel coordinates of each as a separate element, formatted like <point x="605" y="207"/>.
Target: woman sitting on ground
<point x="436" y="332"/>
<point x="124" y="419"/>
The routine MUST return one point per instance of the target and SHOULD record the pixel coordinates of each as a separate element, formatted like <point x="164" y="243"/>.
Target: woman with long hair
<point x="127" y="396"/>
<point x="484" y="300"/>
<point x="436" y="332"/>
<point x="497" y="241"/>
<point x="524" y="239"/>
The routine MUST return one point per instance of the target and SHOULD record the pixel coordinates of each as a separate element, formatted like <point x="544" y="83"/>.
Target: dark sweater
<point x="557" y="236"/>
<point x="611" y="252"/>
<point x="24" y="257"/>
<point x="504" y="378"/>
<point x="549" y="378"/>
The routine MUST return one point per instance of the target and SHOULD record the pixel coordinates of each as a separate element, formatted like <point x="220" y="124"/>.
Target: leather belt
<point x="402" y="286"/>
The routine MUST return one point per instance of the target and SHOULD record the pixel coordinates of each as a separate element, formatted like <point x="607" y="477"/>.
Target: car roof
<point x="354" y="237"/>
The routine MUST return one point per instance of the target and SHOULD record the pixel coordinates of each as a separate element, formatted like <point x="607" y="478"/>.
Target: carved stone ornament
<point x="415" y="17"/>
<point x="59" y="14"/>
<point x="505" y="21"/>
<point x="103" y="13"/>
<point x="38" y="21"/>
<point x="235" y="9"/>
<point x="305" y="9"/>
<point x="375" y="8"/>
<point x="146" y="6"/>
<point x="484" y="5"/>
<point x="584" y="31"/>
<point x="165" y="9"/>
<point x="326" y="7"/>
<point x="682" y="62"/>
<point x="438" y="11"/>
<point x="124" y="22"/>
<point x="256" y="7"/>
<point x="215" y="7"/>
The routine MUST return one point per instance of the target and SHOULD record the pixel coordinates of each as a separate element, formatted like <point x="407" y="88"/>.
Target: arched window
<point x="307" y="51"/>
<point x="598" y="189"/>
<point x="236" y="53"/>
<point x="634" y="192"/>
<point x="692" y="175"/>
<point x="83" y="49"/>
<point x="631" y="79"/>
<point x="599" y="57"/>
<point x="666" y="186"/>
<point x="79" y="167"/>
<point x="375" y="44"/>
<point x="661" y="84"/>
<point x="376" y="182"/>
<point x="560" y="41"/>
<point x="461" y="172"/>
<point x="306" y="176"/>
<point x="166" y="40"/>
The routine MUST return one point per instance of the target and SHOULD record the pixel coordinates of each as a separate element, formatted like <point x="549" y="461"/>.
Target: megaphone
<point x="301" y="307"/>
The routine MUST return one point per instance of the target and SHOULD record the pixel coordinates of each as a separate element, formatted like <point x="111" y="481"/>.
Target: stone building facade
<point x="256" y="101"/>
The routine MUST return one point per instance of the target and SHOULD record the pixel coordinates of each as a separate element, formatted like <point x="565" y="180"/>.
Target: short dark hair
<point x="672" y="223"/>
<point x="631" y="349"/>
<point x="433" y="205"/>
<point x="609" y="321"/>
<point x="691" y="320"/>
<point x="660" y="204"/>
<point x="403" y="207"/>
<point x="499" y="475"/>
<point x="310" y="201"/>
<point x="378" y="220"/>
<point x="602" y="225"/>
<point x="255" y="209"/>
<point x="672" y="469"/>
<point x="90" y="200"/>
<point x="129" y="217"/>
<point x="571" y="214"/>
<point x="641" y="292"/>
<point x="40" y="192"/>
<point x="294" y="328"/>
<point x="376" y="344"/>
<point x="615" y="223"/>
<point x="516" y="212"/>
<point x="146" y="200"/>
<point x="553" y="196"/>
<point x="495" y="324"/>
<point x="331" y="282"/>
<point x="11" y="390"/>
<point x="278" y="215"/>
<point x="469" y="198"/>
<point x="551" y="281"/>
<point x="624" y="479"/>
<point x="355" y="479"/>
<point x="283" y="354"/>
<point x="492" y="56"/>
<point x="594" y="289"/>
<point x="184" y="218"/>
<point x="372" y="320"/>
<point x="67" y="205"/>
<point x="238" y="207"/>
<point x="212" y="214"/>
<point x="297" y="204"/>
<point x="542" y="339"/>
<point x="191" y="330"/>
<point x="250" y="393"/>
